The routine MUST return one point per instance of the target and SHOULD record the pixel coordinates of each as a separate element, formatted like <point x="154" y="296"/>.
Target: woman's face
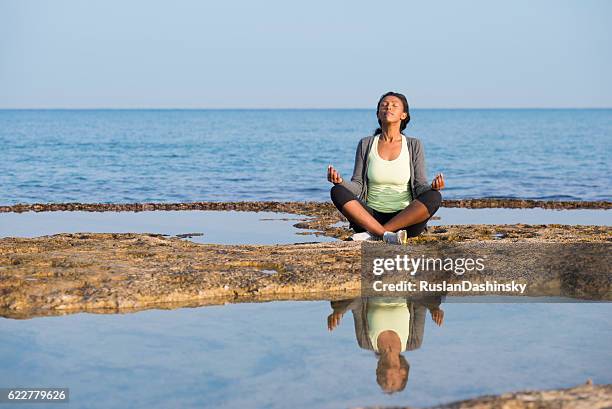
<point x="394" y="379"/>
<point x="391" y="110"/>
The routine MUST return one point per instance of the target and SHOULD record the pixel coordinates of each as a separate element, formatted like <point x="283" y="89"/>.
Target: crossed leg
<point x="414" y="213"/>
<point x="418" y="211"/>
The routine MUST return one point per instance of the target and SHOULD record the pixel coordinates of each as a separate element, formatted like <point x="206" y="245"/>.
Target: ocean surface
<point x="124" y="156"/>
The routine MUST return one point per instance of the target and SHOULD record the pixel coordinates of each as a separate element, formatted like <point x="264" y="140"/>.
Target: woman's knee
<point x="340" y="195"/>
<point x="437" y="198"/>
<point x="432" y="199"/>
<point x="335" y="192"/>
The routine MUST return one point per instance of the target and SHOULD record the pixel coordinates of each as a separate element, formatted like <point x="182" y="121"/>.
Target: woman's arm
<point x="420" y="173"/>
<point x="342" y="306"/>
<point x="339" y="309"/>
<point x="355" y="185"/>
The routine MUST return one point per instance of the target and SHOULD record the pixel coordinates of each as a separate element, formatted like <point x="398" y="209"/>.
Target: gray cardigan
<point x="418" y="176"/>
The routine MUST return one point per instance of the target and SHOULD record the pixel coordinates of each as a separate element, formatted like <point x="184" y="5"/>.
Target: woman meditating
<point x="388" y="195"/>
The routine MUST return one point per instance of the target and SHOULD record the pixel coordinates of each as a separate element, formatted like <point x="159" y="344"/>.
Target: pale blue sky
<point x="308" y="54"/>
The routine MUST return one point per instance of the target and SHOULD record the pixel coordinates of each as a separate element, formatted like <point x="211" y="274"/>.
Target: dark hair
<point x="381" y="375"/>
<point x="404" y="101"/>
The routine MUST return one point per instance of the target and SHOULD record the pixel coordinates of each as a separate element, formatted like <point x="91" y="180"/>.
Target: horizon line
<point x="278" y="108"/>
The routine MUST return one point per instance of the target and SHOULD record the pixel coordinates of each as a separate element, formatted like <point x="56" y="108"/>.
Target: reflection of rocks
<point x="121" y="272"/>
<point x="580" y="397"/>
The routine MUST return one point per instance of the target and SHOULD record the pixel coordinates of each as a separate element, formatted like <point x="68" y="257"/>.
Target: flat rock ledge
<point x="586" y="396"/>
<point x="110" y="273"/>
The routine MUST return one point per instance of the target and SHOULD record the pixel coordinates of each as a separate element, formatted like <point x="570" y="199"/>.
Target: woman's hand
<point x="333" y="175"/>
<point x="438" y="182"/>
<point x="334" y="320"/>
<point x="437" y="315"/>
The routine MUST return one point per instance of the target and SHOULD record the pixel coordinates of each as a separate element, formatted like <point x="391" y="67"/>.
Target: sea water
<point x="224" y="155"/>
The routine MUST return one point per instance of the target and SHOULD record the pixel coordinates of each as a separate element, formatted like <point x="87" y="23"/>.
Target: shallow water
<point x="231" y="227"/>
<point x="279" y="354"/>
<point x="452" y="215"/>
<point x="220" y="227"/>
<point x="529" y="216"/>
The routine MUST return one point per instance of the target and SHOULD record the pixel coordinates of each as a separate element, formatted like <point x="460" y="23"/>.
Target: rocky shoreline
<point x="587" y="396"/>
<point x="322" y="217"/>
<point x="120" y="273"/>
<point x="111" y="272"/>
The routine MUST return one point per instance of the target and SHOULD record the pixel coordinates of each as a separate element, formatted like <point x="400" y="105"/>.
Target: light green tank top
<point x="388" y="189"/>
<point x="388" y="314"/>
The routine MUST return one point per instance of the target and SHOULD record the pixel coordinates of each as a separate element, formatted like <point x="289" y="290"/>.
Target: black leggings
<point x="432" y="199"/>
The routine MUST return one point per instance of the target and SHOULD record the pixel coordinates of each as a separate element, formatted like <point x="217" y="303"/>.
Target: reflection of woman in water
<point x="388" y="196"/>
<point x="388" y="326"/>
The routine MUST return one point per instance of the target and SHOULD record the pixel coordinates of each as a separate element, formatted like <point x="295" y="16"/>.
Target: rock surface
<point x="308" y="208"/>
<point x="580" y="397"/>
<point x="109" y="272"/>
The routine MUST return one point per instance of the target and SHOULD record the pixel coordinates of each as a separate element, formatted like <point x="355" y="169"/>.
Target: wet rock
<point x="188" y="235"/>
<point x="586" y="396"/>
<point x="308" y="208"/>
<point x="44" y="275"/>
<point x="137" y="271"/>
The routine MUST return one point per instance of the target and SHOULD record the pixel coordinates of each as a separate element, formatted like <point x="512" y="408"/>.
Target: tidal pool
<point x="233" y="227"/>
<point x="457" y="215"/>
<point x="454" y="215"/>
<point x="219" y="227"/>
<point x="281" y="354"/>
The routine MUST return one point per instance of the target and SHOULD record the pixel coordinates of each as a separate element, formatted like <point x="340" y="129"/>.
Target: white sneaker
<point x="365" y="236"/>
<point x="399" y="237"/>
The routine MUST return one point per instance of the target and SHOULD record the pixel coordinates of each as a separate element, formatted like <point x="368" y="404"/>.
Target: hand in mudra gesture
<point x="333" y="175"/>
<point x="438" y="182"/>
